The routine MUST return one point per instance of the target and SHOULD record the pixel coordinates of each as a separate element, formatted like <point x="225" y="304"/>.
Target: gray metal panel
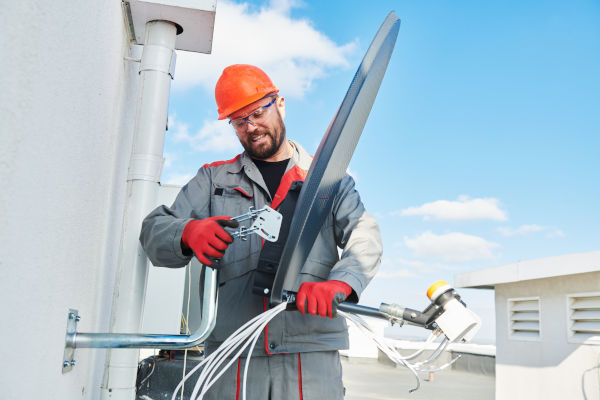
<point x="333" y="156"/>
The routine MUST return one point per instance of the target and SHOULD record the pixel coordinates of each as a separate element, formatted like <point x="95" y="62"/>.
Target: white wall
<point x="550" y="368"/>
<point x="66" y="114"/>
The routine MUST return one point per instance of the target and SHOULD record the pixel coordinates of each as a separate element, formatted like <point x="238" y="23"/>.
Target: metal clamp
<point x="68" y="360"/>
<point x="266" y="223"/>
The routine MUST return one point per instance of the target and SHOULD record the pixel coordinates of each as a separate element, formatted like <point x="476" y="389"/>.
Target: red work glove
<point x="322" y="297"/>
<point x="207" y="238"/>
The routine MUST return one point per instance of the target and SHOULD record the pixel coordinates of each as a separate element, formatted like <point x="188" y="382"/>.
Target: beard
<point x="274" y="138"/>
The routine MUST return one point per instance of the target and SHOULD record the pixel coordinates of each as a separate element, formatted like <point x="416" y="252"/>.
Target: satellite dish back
<point x="333" y="156"/>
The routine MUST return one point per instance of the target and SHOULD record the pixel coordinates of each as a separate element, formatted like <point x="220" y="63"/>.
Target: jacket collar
<point x="299" y="157"/>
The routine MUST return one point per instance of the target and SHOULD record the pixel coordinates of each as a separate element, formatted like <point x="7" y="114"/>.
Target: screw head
<point x="72" y="363"/>
<point x="66" y="364"/>
<point x="78" y="318"/>
<point x="266" y="291"/>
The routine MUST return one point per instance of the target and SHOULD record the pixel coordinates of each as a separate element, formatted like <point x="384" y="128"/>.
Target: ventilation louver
<point x="524" y="318"/>
<point x="584" y="318"/>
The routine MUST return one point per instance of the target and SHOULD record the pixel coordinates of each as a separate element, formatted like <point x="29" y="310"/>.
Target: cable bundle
<point x="395" y="356"/>
<point x="247" y="335"/>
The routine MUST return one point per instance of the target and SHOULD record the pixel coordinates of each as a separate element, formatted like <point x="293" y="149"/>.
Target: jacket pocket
<point x="231" y="200"/>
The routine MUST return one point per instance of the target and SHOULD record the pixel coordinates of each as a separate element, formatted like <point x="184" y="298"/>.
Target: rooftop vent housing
<point x="584" y="318"/>
<point x="524" y="318"/>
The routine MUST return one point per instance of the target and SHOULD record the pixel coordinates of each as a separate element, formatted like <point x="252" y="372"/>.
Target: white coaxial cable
<point x="441" y="367"/>
<point x="220" y="355"/>
<point x="239" y="334"/>
<point x="396" y="357"/>
<point x="436" y="353"/>
<point x="251" y="339"/>
<point x="381" y="344"/>
<point x="205" y="380"/>
<point x="432" y="336"/>
<point x="244" y="336"/>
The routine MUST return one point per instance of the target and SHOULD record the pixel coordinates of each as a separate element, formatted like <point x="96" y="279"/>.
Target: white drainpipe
<point x="156" y="71"/>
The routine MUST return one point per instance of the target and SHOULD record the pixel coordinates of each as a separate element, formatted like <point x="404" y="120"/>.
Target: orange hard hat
<point x="240" y="85"/>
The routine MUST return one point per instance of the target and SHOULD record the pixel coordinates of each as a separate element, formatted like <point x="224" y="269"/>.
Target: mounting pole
<point x="156" y="71"/>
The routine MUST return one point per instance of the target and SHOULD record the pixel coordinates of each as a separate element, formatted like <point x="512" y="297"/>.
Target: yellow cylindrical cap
<point x="435" y="287"/>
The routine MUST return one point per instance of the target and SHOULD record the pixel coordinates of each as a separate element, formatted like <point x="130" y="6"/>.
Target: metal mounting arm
<point x="76" y="339"/>
<point x="266" y="223"/>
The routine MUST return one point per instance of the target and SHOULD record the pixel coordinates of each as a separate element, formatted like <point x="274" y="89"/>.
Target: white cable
<point x="186" y="319"/>
<point x="396" y="357"/>
<point x="381" y="344"/>
<point x="252" y="331"/>
<point x="217" y="363"/>
<point x="432" y="336"/>
<point x="233" y="337"/>
<point x="248" y="364"/>
<point x="246" y="335"/>
<point x="436" y="353"/>
<point x="441" y="367"/>
<point x="262" y="320"/>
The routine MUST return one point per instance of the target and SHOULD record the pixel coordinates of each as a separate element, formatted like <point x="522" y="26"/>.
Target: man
<point x="299" y="359"/>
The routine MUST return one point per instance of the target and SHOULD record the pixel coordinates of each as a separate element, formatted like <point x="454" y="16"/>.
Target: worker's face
<point x="261" y="135"/>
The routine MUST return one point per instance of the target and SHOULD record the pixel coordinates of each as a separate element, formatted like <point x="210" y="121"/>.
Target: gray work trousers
<point x="294" y="376"/>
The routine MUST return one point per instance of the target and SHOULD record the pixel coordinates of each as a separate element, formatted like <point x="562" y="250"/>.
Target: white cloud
<point x="463" y="209"/>
<point x="531" y="228"/>
<point x="177" y="179"/>
<point x="401" y="273"/>
<point x="169" y="158"/>
<point x="214" y="135"/>
<point x="291" y="51"/>
<point x="394" y="264"/>
<point x="555" y="233"/>
<point x="451" y="247"/>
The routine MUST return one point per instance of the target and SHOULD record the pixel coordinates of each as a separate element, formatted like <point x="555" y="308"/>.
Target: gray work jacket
<point x="230" y="188"/>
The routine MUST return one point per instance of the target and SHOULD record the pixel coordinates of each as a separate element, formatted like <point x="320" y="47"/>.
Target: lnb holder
<point x="446" y="312"/>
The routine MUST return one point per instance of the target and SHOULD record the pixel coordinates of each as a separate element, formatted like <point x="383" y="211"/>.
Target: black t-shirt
<point x="272" y="172"/>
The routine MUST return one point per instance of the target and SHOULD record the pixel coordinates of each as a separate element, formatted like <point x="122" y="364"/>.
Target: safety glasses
<point x="256" y="116"/>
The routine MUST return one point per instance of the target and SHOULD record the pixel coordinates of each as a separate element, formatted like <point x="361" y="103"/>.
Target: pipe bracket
<point x="158" y="58"/>
<point x="146" y="167"/>
<point x="69" y="353"/>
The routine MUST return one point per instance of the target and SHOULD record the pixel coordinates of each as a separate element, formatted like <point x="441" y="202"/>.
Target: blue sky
<point x="481" y="148"/>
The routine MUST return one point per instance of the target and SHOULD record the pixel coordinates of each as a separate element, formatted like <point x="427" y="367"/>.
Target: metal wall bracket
<point x="266" y="223"/>
<point x="69" y="354"/>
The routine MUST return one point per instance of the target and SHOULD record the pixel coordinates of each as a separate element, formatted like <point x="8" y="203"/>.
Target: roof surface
<point x="368" y="379"/>
<point x="532" y="269"/>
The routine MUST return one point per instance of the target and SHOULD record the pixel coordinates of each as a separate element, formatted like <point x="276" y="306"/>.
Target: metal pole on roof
<point x="156" y="71"/>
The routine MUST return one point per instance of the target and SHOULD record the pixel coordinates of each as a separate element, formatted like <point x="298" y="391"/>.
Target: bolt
<point x="78" y="318"/>
<point x="66" y="364"/>
<point x="266" y="291"/>
<point x="72" y="363"/>
<point x="413" y="315"/>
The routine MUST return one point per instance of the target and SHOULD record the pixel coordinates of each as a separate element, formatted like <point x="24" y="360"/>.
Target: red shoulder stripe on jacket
<point x="294" y="174"/>
<point x="217" y="163"/>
